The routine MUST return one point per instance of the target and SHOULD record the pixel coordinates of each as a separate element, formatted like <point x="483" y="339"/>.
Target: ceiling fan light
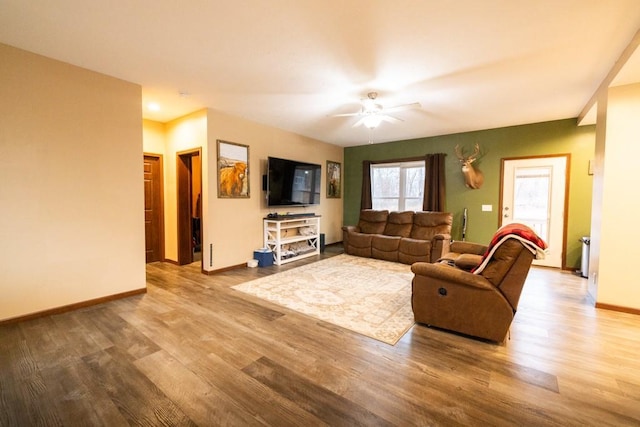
<point x="368" y="105"/>
<point x="372" y="121"/>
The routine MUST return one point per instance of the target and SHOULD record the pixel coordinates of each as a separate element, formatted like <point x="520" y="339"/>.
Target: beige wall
<point x="617" y="232"/>
<point x="154" y="136"/>
<point x="232" y="228"/>
<point x="597" y="197"/>
<point x="184" y="134"/>
<point x="71" y="185"/>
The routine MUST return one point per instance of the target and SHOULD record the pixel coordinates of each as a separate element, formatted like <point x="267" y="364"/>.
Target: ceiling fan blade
<point x="390" y="119"/>
<point x="402" y="107"/>
<point x="347" y="114"/>
<point x="359" y="122"/>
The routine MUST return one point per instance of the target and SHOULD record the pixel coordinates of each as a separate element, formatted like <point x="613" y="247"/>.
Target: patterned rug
<point x="367" y="296"/>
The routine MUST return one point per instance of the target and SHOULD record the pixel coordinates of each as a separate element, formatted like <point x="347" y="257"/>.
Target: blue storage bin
<point x="265" y="259"/>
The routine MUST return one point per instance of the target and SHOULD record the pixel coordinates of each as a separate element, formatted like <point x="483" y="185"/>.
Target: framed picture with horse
<point x="233" y="170"/>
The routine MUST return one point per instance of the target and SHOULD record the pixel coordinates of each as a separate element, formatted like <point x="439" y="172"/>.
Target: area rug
<point x="367" y="296"/>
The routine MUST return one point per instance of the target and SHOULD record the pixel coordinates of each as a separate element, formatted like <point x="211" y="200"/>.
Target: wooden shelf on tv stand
<point x="282" y="235"/>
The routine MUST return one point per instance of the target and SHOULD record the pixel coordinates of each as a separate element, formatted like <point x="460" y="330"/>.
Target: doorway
<point x="189" y="201"/>
<point x="153" y="208"/>
<point x="533" y="192"/>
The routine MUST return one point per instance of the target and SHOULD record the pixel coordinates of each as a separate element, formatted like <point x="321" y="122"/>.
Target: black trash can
<point x="584" y="267"/>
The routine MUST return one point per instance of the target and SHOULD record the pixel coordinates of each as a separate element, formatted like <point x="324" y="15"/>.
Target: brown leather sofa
<point x="405" y="237"/>
<point x="447" y="295"/>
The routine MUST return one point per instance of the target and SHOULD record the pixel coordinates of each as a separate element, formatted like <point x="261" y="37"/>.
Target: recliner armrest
<point x="451" y="274"/>
<point x="468" y="262"/>
<point x="468" y="248"/>
<point x="349" y="228"/>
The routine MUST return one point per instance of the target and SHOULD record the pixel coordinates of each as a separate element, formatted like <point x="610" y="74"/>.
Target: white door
<point x="533" y="193"/>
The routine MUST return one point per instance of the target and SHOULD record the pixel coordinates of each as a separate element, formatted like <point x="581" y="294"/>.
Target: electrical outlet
<point x="487" y="208"/>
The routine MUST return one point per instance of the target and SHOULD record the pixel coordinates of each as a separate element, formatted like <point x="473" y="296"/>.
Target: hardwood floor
<point x="192" y="351"/>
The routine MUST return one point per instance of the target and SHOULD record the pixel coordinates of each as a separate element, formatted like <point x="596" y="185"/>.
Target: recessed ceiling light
<point x="152" y="106"/>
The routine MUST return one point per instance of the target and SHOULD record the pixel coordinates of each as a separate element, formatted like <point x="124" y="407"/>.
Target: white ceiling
<point x="293" y="64"/>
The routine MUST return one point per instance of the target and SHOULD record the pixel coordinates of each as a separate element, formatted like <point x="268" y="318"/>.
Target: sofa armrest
<point x="346" y="229"/>
<point x="450" y="274"/>
<point x="439" y="246"/>
<point x="446" y="237"/>
<point x="351" y="228"/>
<point x="468" y="248"/>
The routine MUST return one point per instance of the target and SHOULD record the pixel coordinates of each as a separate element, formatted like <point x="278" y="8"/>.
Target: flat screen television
<point x="292" y="183"/>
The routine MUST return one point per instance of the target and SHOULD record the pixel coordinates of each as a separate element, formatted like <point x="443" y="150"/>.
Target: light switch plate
<point x="487" y="208"/>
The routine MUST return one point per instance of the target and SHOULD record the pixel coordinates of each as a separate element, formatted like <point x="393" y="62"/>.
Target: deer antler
<point x="459" y="153"/>
<point x="476" y="151"/>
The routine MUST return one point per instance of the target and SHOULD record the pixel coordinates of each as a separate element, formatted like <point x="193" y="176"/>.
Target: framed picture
<point x="233" y="170"/>
<point x="334" y="178"/>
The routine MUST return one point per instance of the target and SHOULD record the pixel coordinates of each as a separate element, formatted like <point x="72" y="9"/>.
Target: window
<point x="397" y="186"/>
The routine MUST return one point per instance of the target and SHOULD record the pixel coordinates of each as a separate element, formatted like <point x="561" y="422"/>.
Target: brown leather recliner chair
<point x="481" y="305"/>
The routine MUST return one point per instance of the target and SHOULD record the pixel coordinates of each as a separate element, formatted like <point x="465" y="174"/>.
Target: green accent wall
<point x="548" y="138"/>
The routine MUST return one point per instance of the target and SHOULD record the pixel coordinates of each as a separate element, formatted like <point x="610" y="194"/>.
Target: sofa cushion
<point x="399" y="224"/>
<point x="359" y="244"/>
<point x="385" y="247"/>
<point x="372" y="221"/>
<point x="414" y="250"/>
<point x="428" y="224"/>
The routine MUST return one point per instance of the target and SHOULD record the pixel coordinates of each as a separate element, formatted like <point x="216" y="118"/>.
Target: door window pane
<point x="532" y="195"/>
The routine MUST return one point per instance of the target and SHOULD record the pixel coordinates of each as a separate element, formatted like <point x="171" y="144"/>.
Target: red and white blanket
<point x="520" y="232"/>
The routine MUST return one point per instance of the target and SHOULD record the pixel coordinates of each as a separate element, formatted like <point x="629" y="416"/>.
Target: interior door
<point x="189" y="189"/>
<point x="153" y="210"/>
<point x="534" y="193"/>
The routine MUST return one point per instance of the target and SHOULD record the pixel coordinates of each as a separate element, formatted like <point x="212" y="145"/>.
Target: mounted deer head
<point x="473" y="177"/>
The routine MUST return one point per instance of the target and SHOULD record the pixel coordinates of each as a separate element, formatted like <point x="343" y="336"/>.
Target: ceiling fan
<point x="372" y="114"/>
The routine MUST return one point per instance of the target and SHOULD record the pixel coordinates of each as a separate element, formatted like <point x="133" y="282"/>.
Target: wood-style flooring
<point x="192" y="351"/>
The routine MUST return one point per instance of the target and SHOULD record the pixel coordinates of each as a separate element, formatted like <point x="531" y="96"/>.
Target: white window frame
<point x="402" y="198"/>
